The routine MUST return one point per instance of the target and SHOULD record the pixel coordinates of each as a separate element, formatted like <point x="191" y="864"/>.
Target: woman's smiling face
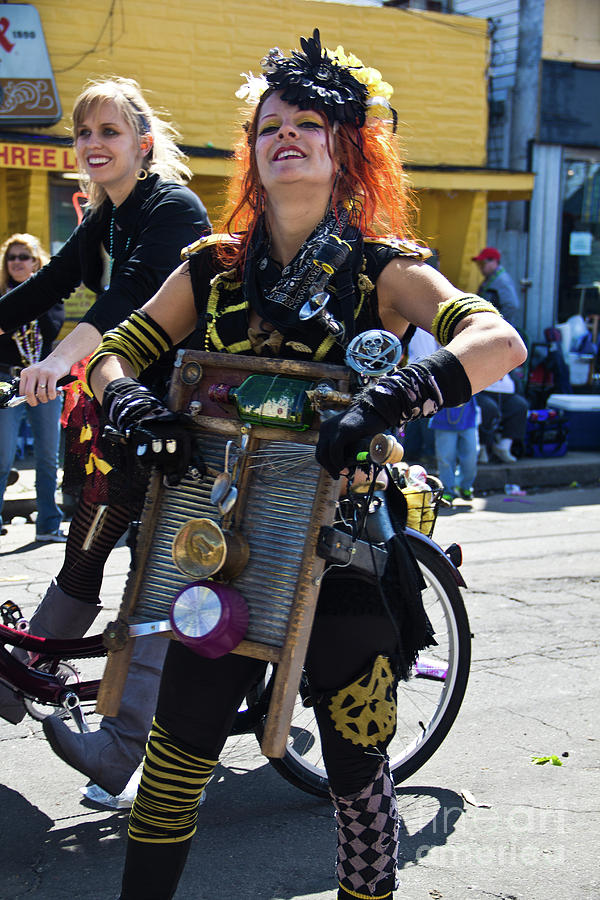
<point x="293" y="145"/>
<point x="107" y="148"/>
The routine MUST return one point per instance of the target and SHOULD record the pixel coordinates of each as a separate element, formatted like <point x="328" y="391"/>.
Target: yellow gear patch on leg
<point x="364" y="712"/>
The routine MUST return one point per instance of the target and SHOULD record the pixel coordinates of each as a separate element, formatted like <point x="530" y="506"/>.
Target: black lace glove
<point x="156" y="437"/>
<point x="419" y="389"/>
<point x="341" y="437"/>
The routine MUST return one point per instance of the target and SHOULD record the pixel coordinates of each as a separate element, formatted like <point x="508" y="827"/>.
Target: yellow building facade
<point x="188" y="58"/>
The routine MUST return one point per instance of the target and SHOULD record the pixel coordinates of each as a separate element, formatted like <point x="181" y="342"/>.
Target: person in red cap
<point x="497" y="286"/>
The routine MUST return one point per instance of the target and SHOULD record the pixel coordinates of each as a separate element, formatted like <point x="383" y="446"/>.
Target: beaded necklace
<point x="29" y="342"/>
<point x="111" y="238"/>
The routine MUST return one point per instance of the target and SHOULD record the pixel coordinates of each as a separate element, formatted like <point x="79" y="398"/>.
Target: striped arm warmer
<point x="139" y="339"/>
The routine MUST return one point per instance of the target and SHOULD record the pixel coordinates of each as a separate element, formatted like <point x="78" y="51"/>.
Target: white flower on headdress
<point x="254" y="88"/>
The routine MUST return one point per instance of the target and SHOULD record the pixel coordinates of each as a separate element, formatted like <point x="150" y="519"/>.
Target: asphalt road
<point x="531" y="564"/>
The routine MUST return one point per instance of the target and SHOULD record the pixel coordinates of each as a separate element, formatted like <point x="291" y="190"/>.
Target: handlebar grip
<point x="383" y="449"/>
<point x="9" y="390"/>
<point x="65" y="380"/>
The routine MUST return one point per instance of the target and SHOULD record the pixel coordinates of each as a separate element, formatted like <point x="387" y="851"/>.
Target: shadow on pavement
<point x="430" y="815"/>
<point x="257" y="837"/>
<point x="41" y="862"/>
<point x="14" y="551"/>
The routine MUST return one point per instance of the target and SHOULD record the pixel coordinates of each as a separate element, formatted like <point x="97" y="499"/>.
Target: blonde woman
<point x="139" y="216"/>
<point x="20" y="256"/>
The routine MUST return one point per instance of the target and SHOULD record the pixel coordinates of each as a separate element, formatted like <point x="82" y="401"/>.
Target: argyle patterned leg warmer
<point x="367" y="829"/>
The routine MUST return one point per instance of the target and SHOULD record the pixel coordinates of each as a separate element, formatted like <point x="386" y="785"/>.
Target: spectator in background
<point x="455" y="434"/>
<point x="503" y="420"/>
<point x="20" y="256"/>
<point x="497" y="285"/>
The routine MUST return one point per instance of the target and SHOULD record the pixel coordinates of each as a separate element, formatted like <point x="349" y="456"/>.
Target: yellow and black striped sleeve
<point x="139" y="339"/>
<point x="453" y="311"/>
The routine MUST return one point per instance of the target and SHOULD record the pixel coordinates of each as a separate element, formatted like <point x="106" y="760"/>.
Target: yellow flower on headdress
<point x="380" y="91"/>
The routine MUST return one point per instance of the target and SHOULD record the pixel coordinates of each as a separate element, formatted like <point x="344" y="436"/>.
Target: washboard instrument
<point x="267" y="536"/>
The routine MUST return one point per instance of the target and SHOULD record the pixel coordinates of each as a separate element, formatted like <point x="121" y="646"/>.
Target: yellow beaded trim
<point x="226" y="281"/>
<point x="405" y="248"/>
<point x="453" y="311"/>
<point x="365" y="896"/>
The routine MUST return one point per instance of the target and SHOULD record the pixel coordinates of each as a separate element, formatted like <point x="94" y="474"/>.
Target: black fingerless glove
<point x="127" y="403"/>
<point x="417" y="390"/>
<point x="157" y="437"/>
<point x="165" y="445"/>
<point x="340" y="437"/>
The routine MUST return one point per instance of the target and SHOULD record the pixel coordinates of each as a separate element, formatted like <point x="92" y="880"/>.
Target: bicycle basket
<point x="423" y="506"/>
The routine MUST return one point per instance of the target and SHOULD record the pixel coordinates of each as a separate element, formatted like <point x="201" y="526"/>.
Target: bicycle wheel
<point x="427" y="704"/>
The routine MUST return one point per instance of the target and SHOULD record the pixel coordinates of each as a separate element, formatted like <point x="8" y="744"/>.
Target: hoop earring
<point x="141" y="174"/>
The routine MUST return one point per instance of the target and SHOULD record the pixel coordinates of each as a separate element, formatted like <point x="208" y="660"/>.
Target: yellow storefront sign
<point x="31" y="156"/>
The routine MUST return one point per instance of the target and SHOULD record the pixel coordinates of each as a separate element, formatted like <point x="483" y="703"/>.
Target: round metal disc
<point x="199" y="548"/>
<point x="196" y="611"/>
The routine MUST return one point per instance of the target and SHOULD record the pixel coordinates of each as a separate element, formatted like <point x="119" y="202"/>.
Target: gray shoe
<point x="110" y="756"/>
<point x="58" y="616"/>
<point x="503" y="454"/>
<point x="47" y="537"/>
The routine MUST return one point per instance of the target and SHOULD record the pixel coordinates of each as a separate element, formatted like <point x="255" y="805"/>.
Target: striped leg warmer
<point x="165" y="809"/>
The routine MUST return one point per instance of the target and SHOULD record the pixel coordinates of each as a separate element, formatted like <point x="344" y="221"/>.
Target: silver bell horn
<point x="315" y="309"/>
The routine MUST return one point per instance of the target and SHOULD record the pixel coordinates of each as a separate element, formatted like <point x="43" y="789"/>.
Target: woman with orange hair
<point x="319" y="180"/>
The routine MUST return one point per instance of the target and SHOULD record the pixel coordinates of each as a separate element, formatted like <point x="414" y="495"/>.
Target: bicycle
<point x="427" y="704"/>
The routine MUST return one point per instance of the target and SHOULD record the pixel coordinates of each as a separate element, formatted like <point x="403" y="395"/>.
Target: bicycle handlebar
<point x="383" y="449"/>
<point x="9" y="396"/>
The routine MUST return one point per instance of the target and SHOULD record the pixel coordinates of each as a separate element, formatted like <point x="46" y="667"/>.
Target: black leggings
<point x="199" y="697"/>
<point x="82" y="571"/>
<point x="198" y="702"/>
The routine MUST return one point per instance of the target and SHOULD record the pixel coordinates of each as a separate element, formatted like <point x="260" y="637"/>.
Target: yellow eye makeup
<point x="310" y="120"/>
<point x="271" y="125"/>
<point x="305" y="121"/>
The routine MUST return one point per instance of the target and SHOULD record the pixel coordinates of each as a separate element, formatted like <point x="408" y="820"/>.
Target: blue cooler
<point x="582" y="412"/>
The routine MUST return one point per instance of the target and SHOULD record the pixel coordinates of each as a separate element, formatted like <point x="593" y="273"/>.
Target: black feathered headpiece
<point x="313" y="80"/>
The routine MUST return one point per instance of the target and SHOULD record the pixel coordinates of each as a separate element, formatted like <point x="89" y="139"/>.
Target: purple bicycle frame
<point x="45" y="686"/>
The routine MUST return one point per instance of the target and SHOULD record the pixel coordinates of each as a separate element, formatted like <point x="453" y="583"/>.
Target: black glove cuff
<point x="420" y="389"/>
<point x="127" y="403"/>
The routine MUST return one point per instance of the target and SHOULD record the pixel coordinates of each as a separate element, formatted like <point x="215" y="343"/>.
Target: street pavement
<point x="482" y="820"/>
